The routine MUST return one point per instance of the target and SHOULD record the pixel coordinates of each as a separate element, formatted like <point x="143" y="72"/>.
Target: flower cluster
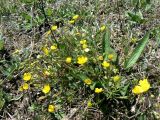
<point x="73" y="63"/>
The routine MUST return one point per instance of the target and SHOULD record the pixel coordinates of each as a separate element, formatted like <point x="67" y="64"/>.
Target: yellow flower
<point x="110" y="56"/>
<point x="100" y="57"/>
<point x="51" y="108"/>
<point x="71" y="21"/>
<point x="48" y="32"/>
<point x="88" y="81"/>
<point x="46" y="88"/>
<point x="27" y="76"/>
<point x="82" y="59"/>
<point x="20" y="88"/>
<point x="102" y="28"/>
<point x="105" y="64"/>
<point x="54" y="47"/>
<point x="25" y="86"/>
<point x="144" y="84"/>
<point x="116" y="78"/>
<point x="78" y="34"/>
<point x="54" y="27"/>
<point x="84" y="46"/>
<point x="68" y="59"/>
<point x="142" y="87"/>
<point x="46" y="73"/>
<point x="137" y="89"/>
<point x="83" y="42"/>
<point x="45" y="50"/>
<point x="89" y="104"/>
<point x="98" y="90"/>
<point x="133" y="40"/>
<point x="75" y="17"/>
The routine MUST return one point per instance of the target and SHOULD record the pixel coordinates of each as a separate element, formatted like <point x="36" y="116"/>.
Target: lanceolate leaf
<point x="107" y="47"/>
<point x="106" y="41"/>
<point x="137" y="52"/>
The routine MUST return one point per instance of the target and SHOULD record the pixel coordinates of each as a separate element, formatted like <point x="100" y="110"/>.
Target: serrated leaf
<point x="137" y="52"/>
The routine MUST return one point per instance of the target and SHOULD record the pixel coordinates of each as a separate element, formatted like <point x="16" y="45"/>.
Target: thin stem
<point x="46" y="19"/>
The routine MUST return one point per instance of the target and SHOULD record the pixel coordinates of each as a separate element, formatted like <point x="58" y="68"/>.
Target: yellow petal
<point x="105" y="64"/>
<point x="27" y="76"/>
<point x="137" y="90"/>
<point x="83" y="41"/>
<point x="71" y="21"/>
<point x="116" y="78"/>
<point x="144" y="84"/>
<point x="68" y="59"/>
<point x="46" y="89"/>
<point x="82" y="59"/>
<point x="54" y="27"/>
<point x="89" y="104"/>
<point x="53" y="47"/>
<point x="98" y="90"/>
<point x="25" y="86"/>
<point x="51" y="108"/>
<point x="75" y="17"/>
<point x="102" y="28"/>
<point x="100" y="57"/>
<point x="88" y="81"/>
<point x="110" y="56"/>
<point x="45" y="50"/>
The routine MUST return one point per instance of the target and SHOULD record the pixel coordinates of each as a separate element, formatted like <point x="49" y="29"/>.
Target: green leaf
<point x="92" y="86"/>
<point x="137" y="52"/>
<point x="1" y="43"/>
<point x="107" y="46"/>
<point x="136" y="17"/>
<point x="124" y="90"/>
<point x="26" y="16"/>
<point x="106" y="41"/>
<point x="83" y="77"/>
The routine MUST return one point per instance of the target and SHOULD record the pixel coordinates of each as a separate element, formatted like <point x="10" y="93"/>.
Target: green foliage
<point x="136" y="16"/>
<point x="107" y="46"/>
<point x="137" y="52"/>
<point x="100" y="77"/>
